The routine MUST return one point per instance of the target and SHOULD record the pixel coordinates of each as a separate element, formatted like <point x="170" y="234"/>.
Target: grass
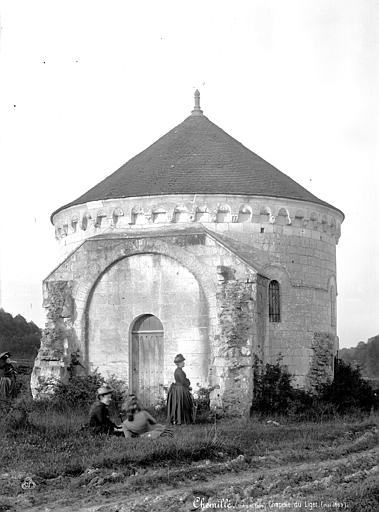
<point x="50" y="442"/>
<point x="54" y="451"/>
<point x="46" y="442"/>
<point x="317" y="461"/>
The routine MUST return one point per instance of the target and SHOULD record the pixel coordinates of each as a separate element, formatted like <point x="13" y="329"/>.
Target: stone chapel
<point x="196" y="245"/>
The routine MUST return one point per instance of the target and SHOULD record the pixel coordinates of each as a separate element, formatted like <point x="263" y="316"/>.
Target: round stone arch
<point x="146" y="358"/>
<point x="82" y="291"/>
<point x="278" y="273"/>
<point x="154" y="284"/>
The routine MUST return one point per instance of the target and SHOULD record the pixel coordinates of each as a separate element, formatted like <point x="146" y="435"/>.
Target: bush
<point x="201" y="402"/>
<point x="273" y="391"/>
<point x="159" y="410"/>
<point x="274" y="394"/>
<point x="80" y="392"/>
<point x="349" y="391"/>
<point x="119" y="395"/>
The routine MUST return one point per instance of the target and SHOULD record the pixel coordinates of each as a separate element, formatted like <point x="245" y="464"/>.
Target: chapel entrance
<point x="147" y="359"/>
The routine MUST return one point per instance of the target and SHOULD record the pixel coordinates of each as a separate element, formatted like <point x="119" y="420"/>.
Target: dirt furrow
<point x="292" y="486"/>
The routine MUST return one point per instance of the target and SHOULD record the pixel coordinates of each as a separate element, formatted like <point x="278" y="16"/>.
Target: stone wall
<point x="112" y="280"/>
<point x="293" y="242"/>
<point x="305" y="269"/>
<point x="234" y="214"/>
<point x="237" y="339"/>
<point x="148" y="284"/>
<point x="58" y="335"/>
<point x="322" y="359"/>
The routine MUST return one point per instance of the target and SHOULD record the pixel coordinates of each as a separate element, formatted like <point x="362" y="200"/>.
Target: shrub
<point x="273" y="391"/>
<point x="159" y="410"/>
<point x="307" y="406"/>
<point x="201" y="402"/>
<point x="78" y="392"/>
<point x="349" y="393"/>
<point x="119" y="394"/>
<point x="202" y="399"/>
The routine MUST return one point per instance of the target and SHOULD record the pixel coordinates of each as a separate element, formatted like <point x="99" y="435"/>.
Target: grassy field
<point x="249" y="461"/>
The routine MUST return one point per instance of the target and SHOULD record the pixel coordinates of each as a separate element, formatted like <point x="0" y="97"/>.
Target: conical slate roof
<point x="196" y="157"/>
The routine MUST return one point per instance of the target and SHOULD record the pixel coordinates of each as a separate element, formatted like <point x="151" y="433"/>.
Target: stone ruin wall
<point x="224" y="352"/>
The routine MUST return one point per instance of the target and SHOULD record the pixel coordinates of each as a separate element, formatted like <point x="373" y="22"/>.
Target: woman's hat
<point x="179" y="358"/>
<point x="104" y="390"/>
<point x="132" y="404"/>
<point x="5" y="355"/>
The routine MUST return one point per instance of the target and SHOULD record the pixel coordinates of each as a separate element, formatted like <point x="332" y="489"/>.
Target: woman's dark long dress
<point x="179" y="400"/>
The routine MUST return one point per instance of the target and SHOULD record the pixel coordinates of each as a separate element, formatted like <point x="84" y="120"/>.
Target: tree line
<point x="365" y="356"/>
<point x="21" y="338"/>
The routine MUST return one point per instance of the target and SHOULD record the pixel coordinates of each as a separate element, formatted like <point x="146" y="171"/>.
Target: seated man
<point x="100" y="422"/>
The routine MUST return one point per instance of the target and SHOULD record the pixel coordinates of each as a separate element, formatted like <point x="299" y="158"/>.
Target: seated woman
<point x="100" y="422"/>
<point x="140" y="423"/>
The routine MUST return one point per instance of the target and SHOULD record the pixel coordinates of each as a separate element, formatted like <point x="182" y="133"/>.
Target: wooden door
<point x="147" y="359"/>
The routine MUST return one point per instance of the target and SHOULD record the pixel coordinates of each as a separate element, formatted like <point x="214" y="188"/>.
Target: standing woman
<point x="179" y="399"/>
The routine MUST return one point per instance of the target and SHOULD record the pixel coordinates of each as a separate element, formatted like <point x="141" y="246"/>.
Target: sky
<point x="85" y="85"/>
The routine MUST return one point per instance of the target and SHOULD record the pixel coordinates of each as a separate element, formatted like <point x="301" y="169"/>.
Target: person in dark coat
<point x="100" y="422"/>
<point x="8" y="377"/>
<point x="179" y="399"/>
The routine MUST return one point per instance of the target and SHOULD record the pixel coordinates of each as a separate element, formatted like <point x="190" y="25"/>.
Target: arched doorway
<point x="147" y="361"/>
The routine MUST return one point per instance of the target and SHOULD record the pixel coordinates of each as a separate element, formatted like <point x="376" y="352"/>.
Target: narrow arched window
<point x="274" y="301"/>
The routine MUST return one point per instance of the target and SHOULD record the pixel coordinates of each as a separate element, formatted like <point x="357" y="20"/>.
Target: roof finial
<point x="197" y="110"/>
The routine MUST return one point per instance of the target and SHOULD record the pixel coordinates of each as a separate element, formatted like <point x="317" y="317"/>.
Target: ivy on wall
<point x="236" y="314"/>
<point x="321" y="367"/>
<point x="236" y="320"/>
<point x="60" y="314"/>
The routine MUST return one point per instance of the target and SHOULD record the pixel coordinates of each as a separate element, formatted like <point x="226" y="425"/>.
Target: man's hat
<point x="5" y="355"/>
<point x="104" y="390"/>
<point x="179" y="358"/>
